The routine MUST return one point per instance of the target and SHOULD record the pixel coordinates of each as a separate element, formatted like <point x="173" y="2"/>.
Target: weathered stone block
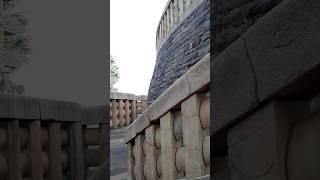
<point x="285" y="37"/>
<point x="234" y="82"/>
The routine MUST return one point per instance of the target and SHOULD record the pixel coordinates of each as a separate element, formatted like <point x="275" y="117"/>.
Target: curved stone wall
<point x="185" y="46"/>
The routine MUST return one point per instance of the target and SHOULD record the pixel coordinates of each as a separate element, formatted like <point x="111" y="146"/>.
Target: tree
<point x="114" y="73"/>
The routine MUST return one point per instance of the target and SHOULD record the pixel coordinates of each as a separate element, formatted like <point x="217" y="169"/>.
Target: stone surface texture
<point x="185" y="46"/>
<point x="278" y="50"/>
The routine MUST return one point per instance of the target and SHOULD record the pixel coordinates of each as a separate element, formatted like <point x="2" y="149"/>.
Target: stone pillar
<point x="14" y="166"/>
<point x="171" y="15"/>
<point x="131" y="163"/>
<point x="133" y="110"/>
<point x="176" y="11"/>
<point x="114" y="113"/>
<point x="121" y="113"/>
<point x="193" y="136"/>
<point x="35" y="150"/>
<point x="127" y="112"/>
<point x="181" y="8"/>
<point x="151" y="151"/>
<point x="168" y="148"/>
<point x="139" y="157"/>
<point x="168" y="20"/>
<point x="76" y="148"/>
<point x="54" y="152"/>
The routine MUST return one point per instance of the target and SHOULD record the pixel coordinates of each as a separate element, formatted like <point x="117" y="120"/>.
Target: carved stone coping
<point x="118" y="95"/>
<point x="32" y="108"/>
<point x="196" y="79"/>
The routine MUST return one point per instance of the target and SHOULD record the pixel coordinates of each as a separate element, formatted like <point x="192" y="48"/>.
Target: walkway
<point x="118" y="155"/>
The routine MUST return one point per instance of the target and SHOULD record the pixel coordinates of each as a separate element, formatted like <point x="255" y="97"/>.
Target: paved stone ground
<point x="118" y="155"/>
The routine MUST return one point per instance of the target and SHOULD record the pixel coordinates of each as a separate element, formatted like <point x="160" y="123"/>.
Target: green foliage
<point x="114" y="73"/>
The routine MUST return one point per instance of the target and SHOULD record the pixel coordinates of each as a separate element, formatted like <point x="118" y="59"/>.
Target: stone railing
<point x="48" y="139"/>
<point x="265" y="122"/>
<point x="174" y="13"/>
<point x="170" y="140"/>
<point x="124" y="108"/>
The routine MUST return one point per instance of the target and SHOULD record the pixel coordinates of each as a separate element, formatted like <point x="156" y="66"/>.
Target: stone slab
<point x="275" y="52"/>
<point x="19" y="107"/>
<point x="177" y="92"/>
<point x="59" y="110"/>
<point x="235" y="86"/>
<point x="142" y="122"/>
<point x="130" y="132"/>
<point x="199" y="74"/>
<point x="94" y="115"/>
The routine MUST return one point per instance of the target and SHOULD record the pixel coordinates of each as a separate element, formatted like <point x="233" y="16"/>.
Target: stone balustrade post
<point x="151" y="151"/>
<point x="127" y="113"/>
<point x="193" y="136"/>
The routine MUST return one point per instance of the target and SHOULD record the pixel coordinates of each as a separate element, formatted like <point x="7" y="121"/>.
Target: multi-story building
<point x="13" y="45"/>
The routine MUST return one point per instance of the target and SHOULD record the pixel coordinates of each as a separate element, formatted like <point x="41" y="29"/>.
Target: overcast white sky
<point x="133" y="26"/>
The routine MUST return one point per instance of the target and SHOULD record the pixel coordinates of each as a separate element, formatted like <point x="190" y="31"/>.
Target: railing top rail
<point x="196" y="79"/>
<point x="180" y="10"/>
<point x="119" y="95"/>
<point x="25" y="107"/>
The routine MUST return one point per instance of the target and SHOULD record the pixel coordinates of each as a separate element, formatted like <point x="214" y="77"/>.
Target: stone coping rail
<point x="174" y="13"/>
<point x="170" y="140"/>
<point x="194" y="80"/>
<point x="127" y="96"/>
<point x="25" y="107"/>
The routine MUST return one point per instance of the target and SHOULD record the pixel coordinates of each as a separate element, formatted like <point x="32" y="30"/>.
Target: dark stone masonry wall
<point x="189" y="42"/>
<point x="231" y="18"/>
